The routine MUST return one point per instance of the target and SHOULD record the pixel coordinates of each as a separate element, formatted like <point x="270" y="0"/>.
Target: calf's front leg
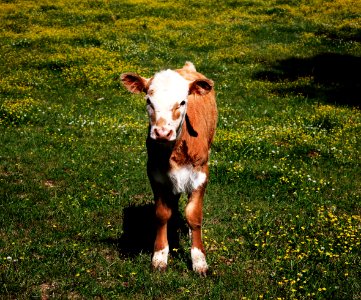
<point x="161" y="248"/>
<point x="193" y="214"/>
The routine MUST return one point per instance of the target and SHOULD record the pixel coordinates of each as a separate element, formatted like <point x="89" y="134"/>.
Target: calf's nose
<point x="163" y="133"/>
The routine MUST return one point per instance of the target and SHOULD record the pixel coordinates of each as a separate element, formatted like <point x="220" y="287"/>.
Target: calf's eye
<point x="182" y="103"/>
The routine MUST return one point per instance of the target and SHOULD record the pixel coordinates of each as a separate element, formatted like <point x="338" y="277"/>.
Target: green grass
<point x="282" y="213"/>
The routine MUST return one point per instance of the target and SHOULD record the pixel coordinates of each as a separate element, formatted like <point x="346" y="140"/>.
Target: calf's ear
<point x="134" y="83"/>
<point x="201" y="86"/>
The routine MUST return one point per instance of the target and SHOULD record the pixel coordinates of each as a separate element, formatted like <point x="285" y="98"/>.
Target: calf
<point x="182" y="122"/>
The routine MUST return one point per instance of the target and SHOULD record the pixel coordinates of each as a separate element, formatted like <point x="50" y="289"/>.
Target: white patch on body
<point x="199" y="261"/>
<point x="167" y="89"/>
<point x="160" y="258"/>
<point x="186" y="179"/>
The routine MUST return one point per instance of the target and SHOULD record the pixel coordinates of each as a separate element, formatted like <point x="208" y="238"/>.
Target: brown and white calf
<point x="182" y="121"/>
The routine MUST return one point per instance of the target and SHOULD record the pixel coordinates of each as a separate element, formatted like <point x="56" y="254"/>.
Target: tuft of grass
<point x="282" y="210"/>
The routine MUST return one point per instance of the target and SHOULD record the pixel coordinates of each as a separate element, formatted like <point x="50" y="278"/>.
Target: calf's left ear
<point x="201" y="86"/>
<point x="134" y="83"/>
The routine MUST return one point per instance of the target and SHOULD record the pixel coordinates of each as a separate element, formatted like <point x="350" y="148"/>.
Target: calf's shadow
<point x="139" y="230"/>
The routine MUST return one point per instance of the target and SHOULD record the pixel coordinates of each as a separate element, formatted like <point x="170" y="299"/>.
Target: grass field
<point x="282" y="214"/>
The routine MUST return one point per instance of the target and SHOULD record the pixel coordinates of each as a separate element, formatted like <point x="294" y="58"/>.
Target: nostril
<point x="169" y="133"/>
<point x="156" y="132"/>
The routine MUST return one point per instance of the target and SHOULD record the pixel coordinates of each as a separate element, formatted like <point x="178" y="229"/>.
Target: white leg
<point x="199" y="261"/>
<point x="160" y="259"/>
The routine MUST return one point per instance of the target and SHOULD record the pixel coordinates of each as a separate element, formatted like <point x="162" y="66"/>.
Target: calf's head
<point x="167" y="95"/>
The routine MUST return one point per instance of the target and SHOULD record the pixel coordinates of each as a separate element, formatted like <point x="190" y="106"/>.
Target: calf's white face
<point x="166" y="105"/>
<point x="166" y="95"/>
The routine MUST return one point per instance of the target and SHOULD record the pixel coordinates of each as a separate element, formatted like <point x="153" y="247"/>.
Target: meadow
<point x="282" y="212"/>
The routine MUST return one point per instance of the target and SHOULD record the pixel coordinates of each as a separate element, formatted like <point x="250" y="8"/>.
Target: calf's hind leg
<point x="193" y="214"/>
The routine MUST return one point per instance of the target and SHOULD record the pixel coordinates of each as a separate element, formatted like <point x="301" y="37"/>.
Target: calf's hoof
<point x="160" y="259"/>
<point x="199" y="262"/>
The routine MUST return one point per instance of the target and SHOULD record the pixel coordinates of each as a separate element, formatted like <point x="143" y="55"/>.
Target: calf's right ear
<point x="134" y="83"/>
